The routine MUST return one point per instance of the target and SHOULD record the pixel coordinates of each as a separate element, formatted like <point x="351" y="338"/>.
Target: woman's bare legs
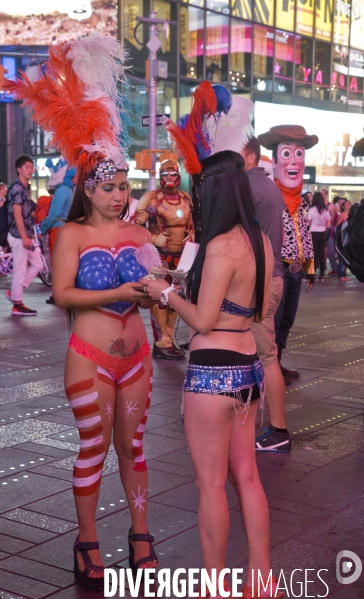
<point x="93" y="403"/>
<point x="208" y="425"/>
<point x="217" y="442"/>
<point x="132" y="405"/>
<point x="252" y="498"/>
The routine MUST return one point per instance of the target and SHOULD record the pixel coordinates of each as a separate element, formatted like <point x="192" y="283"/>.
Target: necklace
<point x="112" y="248"/>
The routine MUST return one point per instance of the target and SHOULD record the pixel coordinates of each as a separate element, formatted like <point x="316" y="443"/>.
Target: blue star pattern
<point x="100" y="269"/>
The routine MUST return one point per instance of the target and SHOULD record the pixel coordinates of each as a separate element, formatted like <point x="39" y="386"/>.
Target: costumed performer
<point x="229" y="287"/>
<point x="59" y="208"/>
<point x="96" y="262"/>
<point x="168" y="212"/>
<point x="288" y="144"/>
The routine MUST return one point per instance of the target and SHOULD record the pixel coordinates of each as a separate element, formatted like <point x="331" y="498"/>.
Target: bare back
<point x="229" y="272"/>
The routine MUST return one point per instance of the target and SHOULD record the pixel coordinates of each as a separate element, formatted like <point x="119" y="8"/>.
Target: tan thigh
<point x="131" y="410"/>
<point x="208" y="426"/>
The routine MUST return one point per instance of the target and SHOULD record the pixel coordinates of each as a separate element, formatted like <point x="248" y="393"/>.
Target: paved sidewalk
<point x="315" y="493"/>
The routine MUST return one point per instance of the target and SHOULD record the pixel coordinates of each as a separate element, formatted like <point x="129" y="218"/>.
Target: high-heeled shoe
<point x="248" y="591"/>
<point x="152" y="557"/>
<point x="91" y="584"/>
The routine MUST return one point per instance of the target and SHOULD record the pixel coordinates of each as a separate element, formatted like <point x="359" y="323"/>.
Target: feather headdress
<point x="77" y="101"/>
<point x="217" y="122"/>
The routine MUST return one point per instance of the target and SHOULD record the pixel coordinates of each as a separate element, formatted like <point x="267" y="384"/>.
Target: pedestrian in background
<point x="27" y="259"/>
<point x="3" y="217"/>
<point x="344" y="213"/>
<point x="269" y="206"/>
<point x="58" y="212"/>
<point x="320" y="221"/>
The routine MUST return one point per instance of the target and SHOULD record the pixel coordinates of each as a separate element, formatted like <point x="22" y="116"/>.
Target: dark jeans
<point x="287" y="309"/>
<point x="319" y="240"/>
<point x="341" y="269"/>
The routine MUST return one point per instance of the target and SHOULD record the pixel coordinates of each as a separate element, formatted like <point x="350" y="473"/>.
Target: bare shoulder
<point x="138" y="233"/>
<point x="70" y="233"/>
<point x="222" y="246"/>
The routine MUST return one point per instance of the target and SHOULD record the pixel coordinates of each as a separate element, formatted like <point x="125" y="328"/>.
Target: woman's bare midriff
<point x="110" y="334"/>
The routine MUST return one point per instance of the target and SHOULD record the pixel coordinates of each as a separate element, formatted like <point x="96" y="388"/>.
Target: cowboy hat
<point x="358" y="148"/>
<point x="291" y="133"/>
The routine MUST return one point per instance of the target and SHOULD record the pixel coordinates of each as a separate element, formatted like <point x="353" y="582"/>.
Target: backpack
<point x="349" y="241"/>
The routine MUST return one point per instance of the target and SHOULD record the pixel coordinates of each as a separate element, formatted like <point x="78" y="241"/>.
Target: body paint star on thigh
<point x="139" y="499"/>
<point x="130" y="408"/>
<point x="109" y="409"/>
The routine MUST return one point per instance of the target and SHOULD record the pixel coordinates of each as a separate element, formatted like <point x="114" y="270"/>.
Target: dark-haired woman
<point x="320" y="220"/>
<point x="229" y="286"/>
<point x="97" y="262"/>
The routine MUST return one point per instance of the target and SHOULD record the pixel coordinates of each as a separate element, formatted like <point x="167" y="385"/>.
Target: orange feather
<point x="58" y="106"/>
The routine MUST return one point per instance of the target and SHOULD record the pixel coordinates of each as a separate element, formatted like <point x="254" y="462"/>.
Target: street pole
<point x="152" y="138"/>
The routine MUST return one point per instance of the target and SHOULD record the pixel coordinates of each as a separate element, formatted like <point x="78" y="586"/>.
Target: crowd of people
<point x="258" y="240"/>
<point x="324" y="217"/>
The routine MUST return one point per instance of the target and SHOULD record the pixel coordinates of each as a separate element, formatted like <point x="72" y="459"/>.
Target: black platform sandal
<point x="152" y="557"/>
<point x="91" y="584"/>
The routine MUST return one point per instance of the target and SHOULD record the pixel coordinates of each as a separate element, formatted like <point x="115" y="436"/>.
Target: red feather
<point x="204" y="104"/>
<point x="58" y="106"/>
<point x="185" y="148"/>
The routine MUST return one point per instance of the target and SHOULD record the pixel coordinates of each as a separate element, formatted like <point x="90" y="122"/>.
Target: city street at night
<point x="315" y="492"/>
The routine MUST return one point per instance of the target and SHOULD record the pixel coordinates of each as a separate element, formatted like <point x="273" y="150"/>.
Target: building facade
<point x="301" y="60"/>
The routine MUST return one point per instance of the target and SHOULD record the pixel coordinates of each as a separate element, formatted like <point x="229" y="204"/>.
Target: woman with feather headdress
<point x="98" y="259"/>
<point x="229" y="287"/>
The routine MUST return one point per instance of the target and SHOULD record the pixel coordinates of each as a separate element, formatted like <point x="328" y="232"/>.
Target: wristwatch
<point x="164" y="295"/>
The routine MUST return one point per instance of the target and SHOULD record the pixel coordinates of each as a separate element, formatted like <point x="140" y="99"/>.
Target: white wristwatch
<point x="164" y="295"/>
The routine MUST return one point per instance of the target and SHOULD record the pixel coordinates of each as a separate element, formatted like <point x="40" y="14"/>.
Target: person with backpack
<point x="58" y="212"/>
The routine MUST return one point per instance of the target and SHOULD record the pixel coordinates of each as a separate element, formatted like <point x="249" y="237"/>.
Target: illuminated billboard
<point x="43" y="23"/>
<point x="332" y="155"/>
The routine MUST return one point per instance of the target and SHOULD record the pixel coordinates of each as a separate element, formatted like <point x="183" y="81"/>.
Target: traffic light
<point x="168" y="156"/>
<point x="3" y="70"/>
<point x="143" y="161"/>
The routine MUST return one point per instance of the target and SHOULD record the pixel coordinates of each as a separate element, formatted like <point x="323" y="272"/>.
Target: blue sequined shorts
<point x="244" y="381"/>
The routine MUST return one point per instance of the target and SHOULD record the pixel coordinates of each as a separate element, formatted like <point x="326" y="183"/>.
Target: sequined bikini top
<point x="231" y="308"/>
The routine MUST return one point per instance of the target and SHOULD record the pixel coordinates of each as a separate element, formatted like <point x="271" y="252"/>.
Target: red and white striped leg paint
<point x="105" y="376"/>
<point x="140" y="464"/>
<point x="88" y="467"/>
<point x="133" y="375"/>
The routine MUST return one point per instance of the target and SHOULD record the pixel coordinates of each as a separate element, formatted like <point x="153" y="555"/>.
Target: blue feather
<point x="183" y="121"/>
<point x="224" y="99"/>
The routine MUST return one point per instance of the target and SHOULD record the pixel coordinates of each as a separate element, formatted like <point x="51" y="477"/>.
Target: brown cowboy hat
<point x="358" y="148"/>
<point x="282" y="133"/>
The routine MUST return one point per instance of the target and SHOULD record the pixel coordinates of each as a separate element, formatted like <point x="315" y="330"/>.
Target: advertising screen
<point x="42" y="23"/>
<point x="332" y="155"/>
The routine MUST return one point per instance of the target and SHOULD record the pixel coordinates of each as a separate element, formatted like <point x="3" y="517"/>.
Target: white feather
<point x="98" y="61"/>
<point x="231" y="131"/>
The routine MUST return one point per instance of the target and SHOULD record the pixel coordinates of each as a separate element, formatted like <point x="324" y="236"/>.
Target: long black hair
<point x="318" y="201"/>
<point x="226" y="201"/>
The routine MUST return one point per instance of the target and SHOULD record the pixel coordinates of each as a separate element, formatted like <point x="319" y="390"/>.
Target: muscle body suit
<point x="168" y="213"/>
<point x="108" y="380"/>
